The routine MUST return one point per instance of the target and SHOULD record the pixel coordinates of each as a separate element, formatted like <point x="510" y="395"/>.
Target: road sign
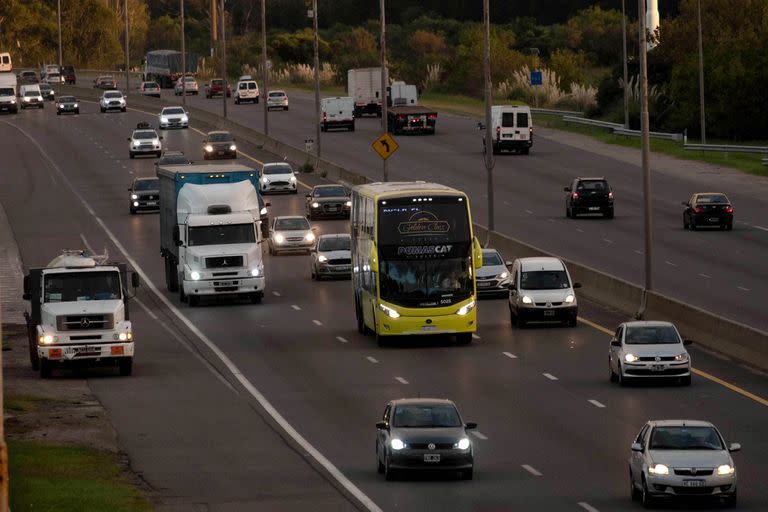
<point x="536" y="78"/>
<point x="385" y="146"/>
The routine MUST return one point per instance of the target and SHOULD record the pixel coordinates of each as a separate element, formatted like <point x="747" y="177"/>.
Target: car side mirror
<point x="566" y="189"/>
<point x="161" y="137"/>
<point x="381" y="425"/>
<point x="684" y="203"/>
<point x="615" y="343"/>
<point x="470" y="425"/>
<point x="687" y="342"/>
<point x="135" y="280"/>
<point x="576" y="285"/>
<point x="636" y="447"/>
<point x="128" y="139"/>
<point x="508" y="263"/>
<point x="734" y="447"/>
<point x="267" y="204"/>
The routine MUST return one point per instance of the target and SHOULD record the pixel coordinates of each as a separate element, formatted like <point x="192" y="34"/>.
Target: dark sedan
<point x="144" y="194"/>
<point x="423" y="434"/>
<point x="67" y="105"/>
<point x="171" y="157"/>
<point x="589" y="195"/>
<point x="219" y="144"/>
<point x="708" y="209"/>
<point x="328" y="201"/>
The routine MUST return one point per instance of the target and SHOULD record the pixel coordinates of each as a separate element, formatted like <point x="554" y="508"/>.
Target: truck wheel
<point x="194" y="300"/>
<point x="171" y="277"/>
<point x="352" y="128"/>
<point x="125" y="366"/>
<point x="34" y="359"/>
<point x="46" y="369"/>
<point x="525" y="151"/>
<point x="183" y="297"/>
<point x="256" y="297"/>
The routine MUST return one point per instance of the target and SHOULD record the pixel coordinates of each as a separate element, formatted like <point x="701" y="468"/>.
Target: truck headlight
<point x="255" y="272"/>
<point x="527" y="300"/>
<point x="391" y="313"/>
<point x="209" y="148"/>
<point x="76" y="105"/>
<point x="466" y="308"/>
<point x="125" y="336"/>
<point x="136" y="143"/>
<point x="725" y="469"/>
<point x="631" y="358"/>
<point x="315" y="205"/>
<point x="134" y="196"/>
<point x="195" y="275"/>
<point x="569" y="298"/>
<point x="322" y="259"/>
<point x="263" y="211"/>
<point x="46" y="339"/>
<point x="659" y="469"/>
<point x="310" y="237"/>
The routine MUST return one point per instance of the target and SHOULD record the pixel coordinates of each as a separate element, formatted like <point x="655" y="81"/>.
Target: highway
<point x="722" y="272"/>
<point x="553" y="433"/>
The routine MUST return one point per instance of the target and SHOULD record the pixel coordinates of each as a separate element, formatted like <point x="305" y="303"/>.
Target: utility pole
<point x="384" y="79"/>
<point x="127" y="54"/>
<point x="624" y="61"/>
<point x="183" y="57"/>
<point x="317" y="81"/>
<point x="645" y="157"/>
<point x="61" y="71"/>
<point x="223" y="59"/>
<point x="4" y="505"/>
<point x="264" y="64"/>
<point x="488" y="154"/>
<point x="701" y="81"/>
<point x="214" y="26"/>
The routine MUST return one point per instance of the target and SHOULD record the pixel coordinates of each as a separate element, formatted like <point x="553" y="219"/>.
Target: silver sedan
<point x="291" y="234"/>
<point x="493" y="277"/>
<point x="331" y="257"/>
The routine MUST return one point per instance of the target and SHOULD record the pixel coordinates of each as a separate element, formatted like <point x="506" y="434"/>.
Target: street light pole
<point x="264" y="64"/>
<point x="317" y="80"/>
<point x="624" y="61"/>
<point x="183" y="57"/>
<point x="488" y="155"/>
<point x="61" y="71"/>
<point x="701" y="81"/>
<point x="645" y="157"/>
<point x="223" y="59"/>
<point x="384" y="79"/>
<point x="127" y="54"/>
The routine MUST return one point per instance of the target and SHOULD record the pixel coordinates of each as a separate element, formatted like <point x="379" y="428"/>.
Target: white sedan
<point x="173" y="117"/>
<point x="144" y="141"/>
<point x="277" y="99"/>
<point x="291" y="234"/>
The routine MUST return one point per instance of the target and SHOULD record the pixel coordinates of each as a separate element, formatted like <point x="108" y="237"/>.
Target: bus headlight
<point x="466" y="308"/>
<point x="391" y="313"/>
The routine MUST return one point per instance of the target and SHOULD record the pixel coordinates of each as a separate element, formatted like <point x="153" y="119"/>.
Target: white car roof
<point x="541" y="263"/>
<point x="291" y="217"/>
<point x="648" y="323"/>
<point x="286" y="165"/>
<point x="680" y="423"/>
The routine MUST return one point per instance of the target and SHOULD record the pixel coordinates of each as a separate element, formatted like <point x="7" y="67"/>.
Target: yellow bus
<point x="414" y="258"/>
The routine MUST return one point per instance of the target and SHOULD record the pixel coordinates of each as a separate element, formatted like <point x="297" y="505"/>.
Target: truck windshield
<point x="80" y="286"/>
<point x="221" y="235"/>
<point x="6" y="91"/>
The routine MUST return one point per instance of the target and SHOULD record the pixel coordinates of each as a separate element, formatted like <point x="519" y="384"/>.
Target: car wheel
<point x="609" y="214"/>
<point x="159" y="154"/>
<point x="123" y="109"/>
<point x="58" y="113"/>
<point x="295" y="191"/>
<point x="312" y="275"/>
<point x="645" y="497"/>
<point x="389" y="473"/>
<point x="634" y="494"/>
<point x="103" y="110"/>
<point x="692" y="224"/>
<point x="519" y="320"/>
<point x="46" y="369"/>
<point x="256" y="297"/>
<point x="379" y="465"/>
<point x="77" y="111"/>
<point x="525" y="151"/>
<point x="685" y="223"/>
<point x="182" y="296"/>
<point x="623" y="381"/>
<point x="685" y="381"/>
<point x="468" y="474"/>
<point x="611" y="375"/>
<point x="567" y="212"/>
<point x="133" y="211"/>
<point x="729" y="226"/>
<point x="731" y="500"/>
<point x="125" y="366"/>
<point x="352" y="128"/>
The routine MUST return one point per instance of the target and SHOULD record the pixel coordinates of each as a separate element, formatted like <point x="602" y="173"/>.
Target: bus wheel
<point x="464" y="338"/>
<point x="381" y="340"/>
<point x="359" y="316"/>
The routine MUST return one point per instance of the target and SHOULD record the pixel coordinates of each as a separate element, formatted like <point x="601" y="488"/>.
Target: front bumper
<point x="71" y="353"/>
<point x="437" y="324"/>
<point x="278" y="186"/>
<point x="492" y="286"/>
<point x="545" y="314"/>
<point x="9" y="107"/>
<point x="414" y="459"/>
<point x="655" y="370"/>
<point x="220" y="153"/>
<point x="289" y="246"/>
<point x="323" y="211"/>
<point x="145" y="204"/>
<point x="334" y="270"/>
<point x="145" y="149"/>
<point x="277" y="104"/>
<point x="224" y="286"/>
<point x="675" y="485"/>
<point x="68" y="109"/>
<point x="175" y="123"/>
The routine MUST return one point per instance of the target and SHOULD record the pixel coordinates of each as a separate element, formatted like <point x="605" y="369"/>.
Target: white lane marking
<point x="317" y="323"/>
<point x="276" y="294"/>
<point x="294" y="306"/>
<point x="551" y="220"/>
<point x="638" y="252"/>
<point x="475" y="336"/>
<point x="510" y="355"/>
<point x="401" y="380"/>
<point x="705" y="276"/>
<point x="586" y="506"/>
<point x="671" y="264"/>
<point x="549" y="376"/>
<point x="311" y="451"/>
<point x="743" y="289"/>
<point x="343" y="340"/>
<point x="149" y="311"/>
<point x="372" y="359"/>
<point x="529" y="212"/>
<point x="607" y="241"/>
<point x="760" y="227"/>
<point x="87" y="245"/>
<point x="579" y="230"/>
<point x="531" y="470"/>
<point x="507" y="203"/>
<point x="597" y="404"/>
<point x="479" y="435"/>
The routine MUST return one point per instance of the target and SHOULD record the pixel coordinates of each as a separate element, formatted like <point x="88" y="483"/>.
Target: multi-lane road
<point x="553" y="434"/>
<point x="722" y="272"/>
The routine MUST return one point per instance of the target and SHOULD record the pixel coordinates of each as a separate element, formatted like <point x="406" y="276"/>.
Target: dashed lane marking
<point x="550" y="376"/>
<point x="317" y="323"/>
<point x="705" y="276"/>
<point x="671" y="264"/>
<point x="586" y="506"/>
<point x="372" y="359"/>
<point x="743" y="289"/>
<point x="760" y="227"/>
<point x="531" y="470"/>
<point x="597" y="404"/>
<point x="401" y="380"/>
<point x="276" y="294"/>
<point x="294" y="306"/>
<point x="510" y="355"/>
<point x="343" y="340"/>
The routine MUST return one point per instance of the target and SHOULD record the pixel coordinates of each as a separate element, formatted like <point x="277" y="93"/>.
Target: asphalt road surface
<point x="553" y="433"/>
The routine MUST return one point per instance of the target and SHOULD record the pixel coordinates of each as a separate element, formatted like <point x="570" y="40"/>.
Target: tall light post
<point x="645" y="156"/>
<point x="264" y="64"/>
<point x="317" y="80"/>
<point x="61" y="71"/>
<point x="701" y="80"/>
<point x="183" y="56"/>
<point x="223" y="61"/>
<point x="127" y="54"/>
<point x="488" y="155"/>
<point x="384" y="79"/>
<point x="624" y="61"/>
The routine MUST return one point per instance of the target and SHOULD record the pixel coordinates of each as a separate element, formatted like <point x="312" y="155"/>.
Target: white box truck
<point x="364" y="86"/>
<point x="8" y="102"/>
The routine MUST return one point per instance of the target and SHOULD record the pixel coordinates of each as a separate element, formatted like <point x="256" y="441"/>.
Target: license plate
<point x="88" y="349"/>
<point x="343" y="268"/>
<point x="428" y="328"/>
<point x="431" y="457"/>
<point x="658" y="367"/>
<point x="481" y="284"/>
<point x="551" y="312"/>
<point x="693" y="483"/>
<point x="594" y="208"/>
<point x="714" y="219"/>
<point x="225" y="283"/>
<point x="151" y="203"/>
<point x="333" y="209"/>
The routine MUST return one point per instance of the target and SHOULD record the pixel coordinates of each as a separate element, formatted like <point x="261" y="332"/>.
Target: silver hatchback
<point x="648" y="350"/>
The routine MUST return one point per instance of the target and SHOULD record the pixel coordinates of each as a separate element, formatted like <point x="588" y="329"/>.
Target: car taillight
<point x="610" y="195"/>
<point x="575" y="195"/>
<point x="401" y="116"/>
<point x="698" y="209"/>
<point x="432" y="116"/>
<point x="498" y="132"/>
<point x="530" y="129"/>
<point x="325" y="116"/>
<point x="729" y="209"/>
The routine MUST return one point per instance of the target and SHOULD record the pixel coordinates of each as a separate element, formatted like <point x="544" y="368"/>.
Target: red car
<point x="216" y="88"/>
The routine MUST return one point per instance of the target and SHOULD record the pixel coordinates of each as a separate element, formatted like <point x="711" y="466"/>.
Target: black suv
<point x="589" y="195"/>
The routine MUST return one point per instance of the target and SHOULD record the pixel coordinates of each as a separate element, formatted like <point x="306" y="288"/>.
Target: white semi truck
<point x="209" y="231"/>
<point x="79" y="313"/>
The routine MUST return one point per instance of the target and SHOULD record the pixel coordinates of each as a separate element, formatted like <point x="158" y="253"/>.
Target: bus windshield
<point x="425" y="283"/>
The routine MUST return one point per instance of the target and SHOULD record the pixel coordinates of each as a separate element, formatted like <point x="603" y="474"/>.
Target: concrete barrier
<point x="705" y="328"/>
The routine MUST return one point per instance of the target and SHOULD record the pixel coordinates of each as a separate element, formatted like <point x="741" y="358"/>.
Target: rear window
<point x="712" y="199"/>
<point x="251" y="85"/>
<point x="219" y="137"/>
<point x="508" y="120"/>
<point x="276" y="94"/>
<point x="242" y="86"/>
<point x="522" y="119"/>
<point x="596" y="185"/>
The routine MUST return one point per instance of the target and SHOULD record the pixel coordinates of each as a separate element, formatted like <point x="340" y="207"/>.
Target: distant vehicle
<point x="173" y="117"/>
<point x="364" y="87"/>
<point x="682" y="459"/>
<point x="144" y="194"/>
<point x="6" y="64"/>
<point x="405" y="115"/>
<point x="216" y="88"/>
<point x="542" y="290"/>
<point x="426" y="434"/>
<point x="144" y="141"/>
<point x="53" y="78"/>
<point x="187" y="82"/>
<point x="105" y="82"/>
<point x="28" y="77"/>
<point x="493" y="277"/>
<point x="31" y="96"/>
<point x="331" y="257"/>
<point x="172" y="157"/>
<point x="338" y="112"/>
<point x="588" y="195"/>
<point x="291" y="233"/>
<point x="277" y="99"/>
<point x="708" y="209"/>
<point x="150" y="89"/>
<point x="67" y="104"/>
<point x="8" y="102"/>
<point x="648" y="350"/>
<point x="244" y="78"/>
<point x="511" y="129"/>
<point x="47" y="92"/>
<point x="165" y="66"/>
<point x="68" y="72"/>
<point x="50" y="73"/>
<point x="112" y="100"/>
<point x="278" y="177"/>
<point x="219" y="144"/>
<point x="247" y="91"/>
<point x="328" y="201"/>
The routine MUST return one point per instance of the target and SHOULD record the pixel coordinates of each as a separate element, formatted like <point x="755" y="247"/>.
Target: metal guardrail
<point x="677" y="137"/>
<point x="572" y="113"/>
<point x="592" y="122"/>
<point x="765" y="162"/>
<point x="727" y="148"/>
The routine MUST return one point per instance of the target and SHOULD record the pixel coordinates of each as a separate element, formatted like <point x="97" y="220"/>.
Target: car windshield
<point x="31" y="93"/>
<point x="146" y="184"/>
<point x="80" y="286"/>
<point x="278" y="169"/>
<point x="649" y="335"/>
<point x="544" y="280"/>
<point x="173" y="110"/>
<point x="292" y="224"/>
<point x="67" y="99"/>
<point x="712" y="199"/>
<point x="45" y="87"/>
<point x="491" y="259"/>
<point x="596" y="185"/>
<point x="174" y="160"/>
<point x="333" y="243"/>
<point x="330" y="192"/>
<point x="685" y="438"/>
<point x="113" y="95"/>
<point x="425" y="416"/>
<point x="144" y="135"/>
<point x="189" y="79"/>
<point x="220" y="235"/>
<point x="6" y="91"/>
<point x="219" y="137"/>
<point x="217" y="82"/>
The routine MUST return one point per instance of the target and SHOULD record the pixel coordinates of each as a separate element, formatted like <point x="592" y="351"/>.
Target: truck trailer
<point x="164" y="67"/>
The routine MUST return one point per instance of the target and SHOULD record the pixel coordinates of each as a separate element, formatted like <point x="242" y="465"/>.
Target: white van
<point x="338" y="112"/>
<point x="512" y="128"/>
<point x="247" y="90"/>
<point x="542" y="290"/>
<point x="5" y="62"/>
<point x="31" y="96"/>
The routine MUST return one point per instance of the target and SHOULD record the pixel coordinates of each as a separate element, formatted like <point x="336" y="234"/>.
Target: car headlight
<point x="195" y="275"/>
<point x="397" y="444"/>
<point x="463" y="444"/>
<point x="659" y="469"/>
<point x="156" y="142"/>
<point x="255" y="272"/>
<point x="322" y="259"/>
<point x="348" y="203"/>
<point x="61" y="106"/>
<point x="315" y="205"/>
<point x="310" y="237"/>
<point x="208" y="148"/>
<point x="232" y="147"/>
<point x="569" y="298"/>
<point x="184" y="119"/>
<point x="466" y="308"/>
<point x="631" y="358"/>
<point x="122" y="101"/>
<point x="163" y="119"/>
<point x="136" y="143"/>
<point x="279" y="238"/>
<point x="134" y="196"/>
<point x="391" y="313"/>
<point x="293" y="179"/>
<point x="504" y="275"/>
<point x="135" y="203"/>
<point x="46" y="339"/>
<point x="681" y="357"/>
<point x="25" y="98"/>
<point x="725" y="469"/>
<point x="527" y="300"/>
<point x="13" y="101"/>
<point x="264" y="180"/>
<point x="76" y="105"/>
<point x="263" y="211"/>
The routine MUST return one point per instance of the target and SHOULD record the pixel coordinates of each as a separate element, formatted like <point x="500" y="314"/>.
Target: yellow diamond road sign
<point x="385" y="146"/>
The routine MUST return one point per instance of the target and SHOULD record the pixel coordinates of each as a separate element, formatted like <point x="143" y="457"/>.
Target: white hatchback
<point x="112" y="100"/>
<point x="278" y="177"/>
<point x="648" y="350"/>
<point x="291" y="234"/>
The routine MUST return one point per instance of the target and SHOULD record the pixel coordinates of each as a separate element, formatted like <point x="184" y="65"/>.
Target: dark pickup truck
<point x="68" y="72"/>
<point x="411" y="119"/>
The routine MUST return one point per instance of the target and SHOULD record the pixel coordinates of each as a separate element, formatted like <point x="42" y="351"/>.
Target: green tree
<point x="355" y="49"/>
<point x="28" y="30"/>
<point x="164" y="33"/>
<point x="569" y="67"/>
<point x="597" y="32"/>
<point x="89" y="32"/>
